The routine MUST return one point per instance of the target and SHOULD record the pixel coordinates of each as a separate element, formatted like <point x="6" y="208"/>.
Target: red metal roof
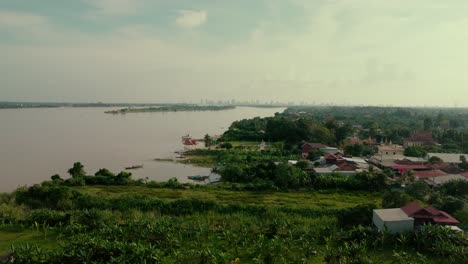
<point x="330" y="156"/>
<point x="406" y="162"/>
<point x="414" y="210"/>
<point x="425" y="136"/>
<point x="445" y="218"/>
<point x="411" y="208"/>
<point x="438" y="166"/>
<point x="408" y="167"/>
<point x="346" y="167"/>
<point x="465" y="174"/>
<point x="451" y="169"/>
<point x="429" y="174"/>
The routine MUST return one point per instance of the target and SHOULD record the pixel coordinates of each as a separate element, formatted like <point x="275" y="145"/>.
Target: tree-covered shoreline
<point x="174" y="108"/>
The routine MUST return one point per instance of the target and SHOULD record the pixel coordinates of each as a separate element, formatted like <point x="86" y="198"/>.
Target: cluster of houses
<point x="333" y="160"/>
<point x="431" y="173"/>
<point x="412" y="217"/>
<point x="389" y="157"/>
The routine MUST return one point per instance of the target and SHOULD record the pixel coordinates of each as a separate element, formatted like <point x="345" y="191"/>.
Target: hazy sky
<point x="396" y="52"/>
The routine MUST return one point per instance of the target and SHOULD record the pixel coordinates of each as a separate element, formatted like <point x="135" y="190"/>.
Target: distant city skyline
<point x="354" y="52"/>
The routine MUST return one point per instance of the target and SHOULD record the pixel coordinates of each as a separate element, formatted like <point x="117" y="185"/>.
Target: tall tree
<point x="428" y="124"/>
<point x="208" y="141"/>
<point x="77" y="170"/>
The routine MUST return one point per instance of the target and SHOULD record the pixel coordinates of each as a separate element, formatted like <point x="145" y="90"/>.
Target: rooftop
<point x="438" y="166"/>
<point x="356" y="160"/>
<point x="429" y="174"/>
<point x="415" y="210"/>
<point x="393" y="214"/>
<point x="408" y="167"/>
<point x="323" y="170"/>
<point x="407" y="161"/>
<point x="449" y="157"/>
<point x="443" y="179"/>
<point x="314" y="145"/>
<point x="422" y="136"/>
<point x="390" y="148"/>
<point x="411" y="208"/>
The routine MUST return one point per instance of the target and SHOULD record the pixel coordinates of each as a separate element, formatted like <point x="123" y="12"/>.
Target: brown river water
<point x="37" y="143"/>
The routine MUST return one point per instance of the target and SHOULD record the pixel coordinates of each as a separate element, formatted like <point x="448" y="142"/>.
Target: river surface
<point x="37" y="143"/>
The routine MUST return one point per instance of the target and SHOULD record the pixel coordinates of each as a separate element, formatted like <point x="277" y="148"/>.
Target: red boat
<point x="189" y="141"/>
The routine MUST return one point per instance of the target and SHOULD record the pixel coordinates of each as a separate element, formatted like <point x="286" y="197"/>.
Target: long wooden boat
<point x="198" y="178"/>
<point x="134" y="167"/>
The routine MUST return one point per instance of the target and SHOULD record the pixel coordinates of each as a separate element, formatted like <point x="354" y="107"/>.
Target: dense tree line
<point x="284" y="176"/>
<point x="330" y="125"/>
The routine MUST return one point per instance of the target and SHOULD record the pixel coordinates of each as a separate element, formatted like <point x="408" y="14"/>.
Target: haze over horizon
<point x="376" y="52"/>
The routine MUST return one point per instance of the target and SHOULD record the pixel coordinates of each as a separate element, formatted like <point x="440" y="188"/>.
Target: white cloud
<point x="26" y="26"/>
<point x="191" y="19"/>
<point x="375" y="53"/>
<point x="114" y="7"/>
<point x="14" y="20"/>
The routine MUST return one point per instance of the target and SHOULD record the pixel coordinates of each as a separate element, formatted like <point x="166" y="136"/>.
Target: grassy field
<point x="314" y="200"/>
<point x="15" y="235"/>
<point x="276" y="235"/>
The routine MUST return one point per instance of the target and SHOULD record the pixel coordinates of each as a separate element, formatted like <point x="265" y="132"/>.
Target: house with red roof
<point x="405" y="218"/>
<point x="332" y="158"/>
<point x="438" y="166"/>
<point x="428" y="215"/>
<point x="428" y="174"/>
<point x="465" y="174"/>
<point x="406" y="161"/>
<point x="421" y="138"/>
<point x="308" y="147"/>
<point x="406" y="168"/>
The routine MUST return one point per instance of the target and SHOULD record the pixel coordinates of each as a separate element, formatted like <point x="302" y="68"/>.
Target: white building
<point x="393" y="220"/>
<point x="389" y="151"/>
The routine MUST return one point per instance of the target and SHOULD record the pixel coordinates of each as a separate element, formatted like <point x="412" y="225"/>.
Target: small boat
<point x="198" y="178"/>
<point x="134" y="167"/>
<point x="189" y="141"/>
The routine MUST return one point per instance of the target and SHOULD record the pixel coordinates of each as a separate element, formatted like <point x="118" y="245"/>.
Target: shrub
<point x="37" y="196"/>
<point x="49" y="217"/>
<point x="418" y="190"/>
<point x="359" y="215"/>
<point x="395" y="199"/>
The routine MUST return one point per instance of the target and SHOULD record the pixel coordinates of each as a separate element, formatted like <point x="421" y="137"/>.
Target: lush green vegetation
<point x="183" y="223"/>
<point x="450" y="197"/>
<point x="283" y="127"/>
<point x="331" y="125"/>
<point x="171" y="108"/>
<point x="129" y="221"/>
<point x="265" y="211"/>
<point x="283" y="176"/>
<point x="240" y="153"/>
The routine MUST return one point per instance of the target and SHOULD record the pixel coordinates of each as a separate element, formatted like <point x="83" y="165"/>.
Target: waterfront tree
<point x="77" y="170"/>
<point x="208" y="141"/>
